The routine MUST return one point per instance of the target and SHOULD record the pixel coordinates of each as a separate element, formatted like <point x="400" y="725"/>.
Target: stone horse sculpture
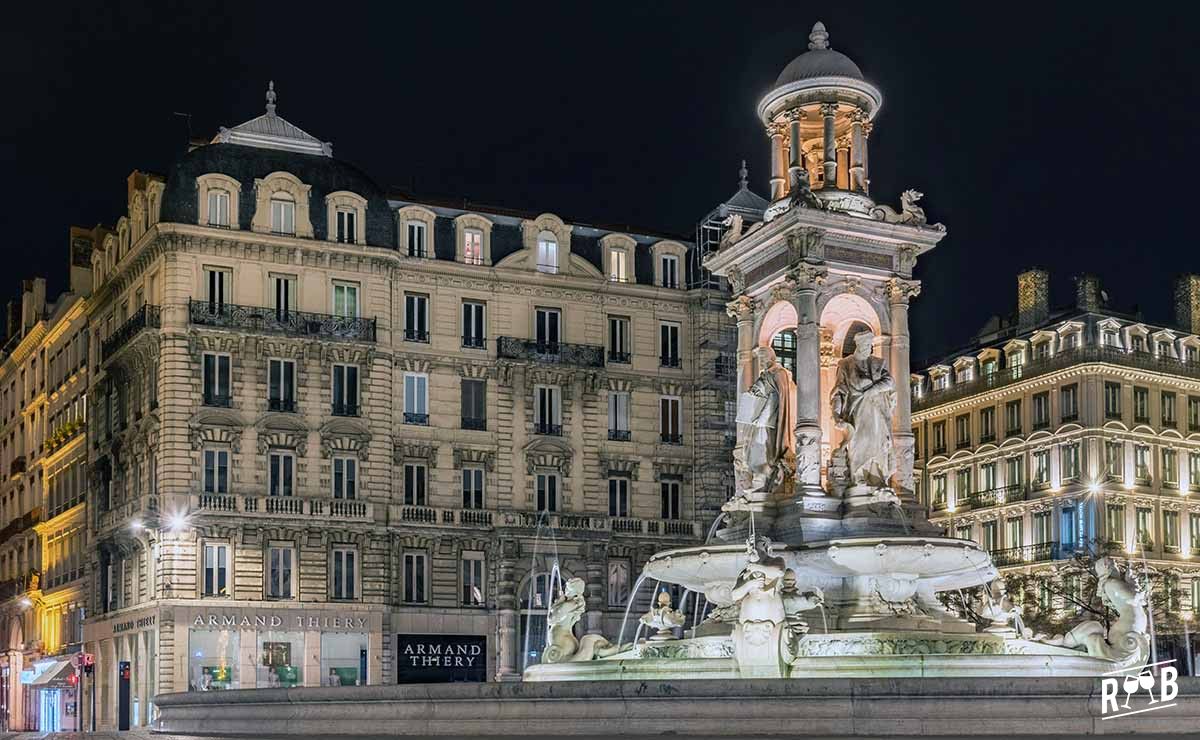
<point x="561" y="644"/>
<point x="1127" y="641"/>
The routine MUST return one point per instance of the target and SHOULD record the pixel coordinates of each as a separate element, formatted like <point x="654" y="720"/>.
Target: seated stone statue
<point x="561" y="644"/>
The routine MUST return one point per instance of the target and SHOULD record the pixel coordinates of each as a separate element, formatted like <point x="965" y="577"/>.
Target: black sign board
<point x="441" y="658"/>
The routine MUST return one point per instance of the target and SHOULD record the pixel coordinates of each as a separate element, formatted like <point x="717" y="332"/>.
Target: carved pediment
<point x="669" y="469"/>
<point x="280" y="422"/>
<point x="547" y="454"/>
<point x="202" y="436"/>
<point x="410" y="364"/>
<point x="477" y="372"/>
<point x="616" y="465"/>
<point x="414" y="450"/>
<point x="464" y="456"/>
<point x="282" y="441"/>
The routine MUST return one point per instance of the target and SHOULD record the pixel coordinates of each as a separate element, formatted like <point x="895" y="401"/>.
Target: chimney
<point x="79" y="260"/>
<point x="1187" y="303"/>
<point x="33" y="302"/>
<point x="12" y="325"/>
<point x="1087" y="293"/>
<point x="1033" y="298"/>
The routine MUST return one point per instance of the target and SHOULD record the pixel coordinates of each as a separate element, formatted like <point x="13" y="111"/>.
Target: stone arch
<point x="781" y="315"/>
<point x="844" y="311"/>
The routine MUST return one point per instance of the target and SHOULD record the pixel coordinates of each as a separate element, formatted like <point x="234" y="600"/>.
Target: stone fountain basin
<point x="937" y="564"/>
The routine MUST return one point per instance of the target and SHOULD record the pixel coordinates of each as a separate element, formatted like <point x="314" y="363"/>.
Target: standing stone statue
<point x="766" y="435"/>
<point x="862" y="401"/>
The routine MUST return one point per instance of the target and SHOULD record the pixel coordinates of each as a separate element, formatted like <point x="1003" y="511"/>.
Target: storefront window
<point x="343" y="659"/>
<point x="280" y="660"/>
<point x="212" y="660"/>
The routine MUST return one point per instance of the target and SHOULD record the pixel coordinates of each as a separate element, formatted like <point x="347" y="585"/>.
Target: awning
<point x="56" y="676"/>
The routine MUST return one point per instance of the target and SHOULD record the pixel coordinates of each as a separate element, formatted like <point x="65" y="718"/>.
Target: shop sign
<point x="441" y="658"/>
<point x="134" y="624"/>
<point x="213" y="620"/>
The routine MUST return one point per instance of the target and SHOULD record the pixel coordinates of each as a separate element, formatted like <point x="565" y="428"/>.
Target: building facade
<point x="1071" y="430"/>
<point x="345" y="436"/>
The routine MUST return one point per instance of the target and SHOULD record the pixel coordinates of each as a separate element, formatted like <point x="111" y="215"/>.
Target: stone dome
<point x="819" y="61"/>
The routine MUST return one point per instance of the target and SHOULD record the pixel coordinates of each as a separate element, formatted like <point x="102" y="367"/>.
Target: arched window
<point x="218" y="208"/>
<point x="283" y="214"/>
<point x="784" y="344"/>
<point x="547" y="253"/>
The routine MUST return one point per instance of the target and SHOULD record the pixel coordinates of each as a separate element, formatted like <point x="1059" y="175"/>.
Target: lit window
<point x="547" y="253"/>
<point x="345" y="300"/>
<point x="473" y="586"/>
<point x="283" y="214"/>
<point x="617" y="267"/>
<point x="344" y="567"/>
<point x="218" y="208"/>
<point x="473" y="247"/>
<point x="346" y="223"/>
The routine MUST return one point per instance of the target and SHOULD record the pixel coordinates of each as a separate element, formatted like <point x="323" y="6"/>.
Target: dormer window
<point x="1041" y="351"/>
<point x="1110" y="339"/>
<point x="547" y="253"/>
<point x="670" y="271"/>
<point x="218" y="208"/>
<point x="473" y="246"/>
<point x="416" y="239"/>
<point x="347" y="226"/>
<point x="1139" y="343"/>
<point x="283" y="214"/>
<point x="1164" y="349"/>
<point x="618" y="265"/>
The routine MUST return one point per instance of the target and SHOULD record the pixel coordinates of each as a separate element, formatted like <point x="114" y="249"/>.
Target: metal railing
<point x="619" y="358"/>
<point x="670" y="361"/>
<point x="286" y="405"/>
<point x="474" y="423"/>
<point x="416" y="335"/>
<point x="561" y="353"/>
<point x="414" y="418"/>
<point x="345" y="409"/>
<point x="1038" y="553"/>
<point x="219" y="400"/>
<point x="474" y="342"/>
<point x="995" y="496"/>
<point x="276" y="321"/>
<point x="550" y="430"/>
<point x="620" y="435"/>
<point x="1062" y="359"/>
<point x="146" y="316"/>
<point x="671" y="439"/>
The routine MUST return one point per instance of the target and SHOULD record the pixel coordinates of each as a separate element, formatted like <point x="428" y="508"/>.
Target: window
<point x="987" y="476"/>
<point x="1110" y="339"/>
<point x="1192" y="354"/>
<point x="1170" y="468"/>
<point x="1114" y="522"/>
<point x="281" y="382"/>
<point x="990" y="540"/>
<point x="547" y="410"/>
<point x="416" y="239"/>
<point x="474" y="404"/>
<point x="414" y="484"/>
<point x="1144" y="519"/>
<point x="219" y="284"/>
<point x="618" y="271"/>
<point x="670" y="423"/>
<point x="343" y="578"/>
<point x="414" y="578"/>
<point x="283" y="295"/>
<point x="1071" y="341"/>
<point x="473" y="246"/>
<point x="1068" y="400"/>
<point x="472" y="488"/>
<point x="939" y="489"/>
<point x="280" y="572"/>
<point x="345" y="477"/>
<point x="1015" y="531"/>
<point x="988" y="368"/>
<point x="1168" y="409"/>
<point x="670" y="499"/>
<point x="281" y="475"/>
<point x="283" y="214"/>
<point x="346" y="232"/>
<point x="216" y="471"/>
<point x="1114" y="459"/>
<point x="345" y="300"/>
<point x="215" y="380"/>
<point x="547" y="492"/>
<point x="618" y="339"/>
<point x="218" y="208"/>
<point x="618" y="582"/>
<point x="939" y="437"/>
<point x="1171" y="529"/>
<point x="987" y="424"/>
<point x="964" y="375"/>
<point x="1194" y="529"/>
<point x="1066" y="529"/>
<point x="546" y="330"/>
<point x="1041" y="527"/>
<point x="1193" y="411"/>
<point x="1041" y="410"/>
<point x="1041" y="467"/>
<point x="416" y="318"/>
<point x="962" y="483"/>
<point x="941" y="382"/>
<point x="1141" y="463"/>
<point x="1014" y="472"/>
<point x="1163" y="349"/>
<point x="668" y="344"/>
<point x="962" y="431"/>
<point x="345" y="390"/>
<point x="963" y="531"/>
<point x="416" y="397"/>
<point x="1141" y="404"/>
<point x="1194" y="479"/>
<point x="618" y="416"/>
<point x="1139" y="343"/>
<point x="1012" y="417"/>
<point x="618" y="497"/>
<point x="547" y="253"/>
<point x="474" y="330"/>
<point x="1070" y="461"/>
<point x="1041" y="351"/>
<point x="1112" y="400"/>
<point x="216" y="569"/>
<point x="473" y="587"/>
<point x="670" y="271"/>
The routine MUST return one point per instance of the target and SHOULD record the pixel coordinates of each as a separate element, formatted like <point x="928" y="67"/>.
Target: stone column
<point x="866" y="167"/>
<point x="843" y="160"/>
<point x="858" y="144"/>
<point x="597" y="577"/>
<point x="900" y="291"/>
<point x="506" y="631"/>
<point x="795" y="145"/>
<point x="742" y="310"/>
<point x="778" y="183"/>
<point x="828" y="113"/>
<point x="806" y="280"/>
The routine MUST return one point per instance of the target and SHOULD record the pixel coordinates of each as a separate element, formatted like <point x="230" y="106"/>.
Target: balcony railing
<point x="146" y="316"/>
<point x="1062" y="359"/>
<point x="551" y="430"/>
<point x="286" y="405"/>
<point x="17" y="467"/>
<point x="416" y="335"/>
<point x="670" y="361"/>
<point x="476" y="424"/>
<point x="274" y="321"/>
<point x="474" y="342"/>
<point x="415" y="418"/>
<point x="561" y="353"/>
<point x="20" y="524"/>
<point x="345" y="409"/>
<point x="619" y="435"/>
<point x="618" y="358"/>
<point x="1038" y="553"/>
<point x="995" y="496"/>
<point x="671" y="439"/>
<point x="283" y="506"/>
<point x="219" y="400"/>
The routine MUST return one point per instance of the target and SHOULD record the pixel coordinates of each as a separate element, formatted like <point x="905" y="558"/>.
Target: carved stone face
<point x="766" y="357"/>
<point x="863" y="342"/>
<point x="574" y="587"/>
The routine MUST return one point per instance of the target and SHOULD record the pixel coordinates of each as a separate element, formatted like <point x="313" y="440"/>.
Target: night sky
<point x="1039" y="134"/>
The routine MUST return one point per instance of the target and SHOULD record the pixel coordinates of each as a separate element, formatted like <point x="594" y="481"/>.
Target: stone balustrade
<point x="494" y="519"/>
<point x="330" y="509"/>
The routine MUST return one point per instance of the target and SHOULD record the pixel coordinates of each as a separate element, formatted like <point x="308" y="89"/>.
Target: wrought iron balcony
<point x="561" y="353"/>
<point x="286" y="405"/>
<point x="670" y="361"/>
<point x="477" y="424"/>
<point x="416" y="335"/>
<point x="219" y="400"/>
<point x="17" y="467"/>
<point x="671" y="439"/>
<point x="551" y="430"/>
<point x="474" y="342"/>
<point x="619" y="435"/>
<point x="618" y="358"/>
<point x="275" y="321"/>
<point x="146" y="316"/>
<point x="418" y="419"/>
<point x="1039" y="553"/>
<point x="345" y="409"/>
<point x="995" y="496"/>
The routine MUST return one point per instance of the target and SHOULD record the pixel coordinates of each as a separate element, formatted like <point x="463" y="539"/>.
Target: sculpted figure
<point x="910" y="212"/>
<point x="863" y="399"/>
<point x="758" y="634"/>
<point x="663" y="618"/>
<point x="1005" y="616"/>
<point x="1127" y="641"/>
<point x="561" y="643"/>
<point x="766" y="427"/>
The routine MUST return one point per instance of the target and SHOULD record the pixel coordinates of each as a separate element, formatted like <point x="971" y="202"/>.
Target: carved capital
<point x="867" y="128"/>
<point x="737" y="280"/>
<point x="795" y="115"/>
<point x="859" y="116"/>
<point x="843" y="142"/>
<point x="782" y="291"/>
<point x="900" y="290"/>
<point x="776" y="128"/>
<point x="829" y="109"/>
<point x="740" y="308"/>
<point x="906" y="256"/>
<point x="806" y="277"/>
<point x="806" y="245"/>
